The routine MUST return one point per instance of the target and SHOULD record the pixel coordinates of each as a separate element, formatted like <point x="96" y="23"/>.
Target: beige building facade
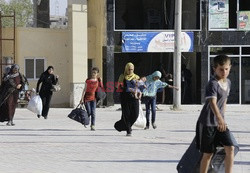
<point x="69" y="50"/>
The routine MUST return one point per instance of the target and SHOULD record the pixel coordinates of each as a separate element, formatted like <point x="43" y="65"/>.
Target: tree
<point x="23" y="12"/>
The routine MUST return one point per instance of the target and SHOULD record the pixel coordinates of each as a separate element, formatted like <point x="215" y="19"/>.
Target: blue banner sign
<point x="155" y="41"/>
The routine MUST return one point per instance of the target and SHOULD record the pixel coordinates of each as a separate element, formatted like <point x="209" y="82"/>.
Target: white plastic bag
<point x="35" y="104"/>
<point x="141" y="120"/>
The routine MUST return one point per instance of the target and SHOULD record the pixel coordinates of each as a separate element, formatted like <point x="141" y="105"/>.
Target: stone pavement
<point x="60" y="145"/>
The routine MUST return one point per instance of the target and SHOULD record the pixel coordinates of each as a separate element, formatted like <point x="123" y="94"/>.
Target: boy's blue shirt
<point x="153" y="85"/>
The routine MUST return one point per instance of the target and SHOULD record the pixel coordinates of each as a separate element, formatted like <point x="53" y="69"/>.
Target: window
<point x="34" y="67"/>
<point x="225" y="14"/>
<point x="155" y="15"/>
<point x="240" y="70"/>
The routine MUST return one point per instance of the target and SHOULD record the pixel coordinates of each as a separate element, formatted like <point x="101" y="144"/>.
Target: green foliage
<point x="23" y="11"/>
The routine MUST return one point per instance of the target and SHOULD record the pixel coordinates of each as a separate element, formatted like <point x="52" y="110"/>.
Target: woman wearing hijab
<point x="129" y="104"/>
<point x="12" y="84"/>
<point x="153" y="84"/>
<point x="47" y="79"/>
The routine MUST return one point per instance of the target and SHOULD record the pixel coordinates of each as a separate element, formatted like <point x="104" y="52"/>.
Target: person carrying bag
<point x="48" y="79"/>
<point x="79" y="114"/>
<point x="88" y="96"/>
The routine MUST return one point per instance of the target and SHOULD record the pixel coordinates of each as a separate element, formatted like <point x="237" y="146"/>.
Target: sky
<point x="62" y="4"/>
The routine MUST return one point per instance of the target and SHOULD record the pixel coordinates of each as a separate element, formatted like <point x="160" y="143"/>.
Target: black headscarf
<point x="49" y="67"/>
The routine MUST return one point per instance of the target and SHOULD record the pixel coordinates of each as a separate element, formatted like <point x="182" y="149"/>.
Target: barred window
<point x="34" y="67"/>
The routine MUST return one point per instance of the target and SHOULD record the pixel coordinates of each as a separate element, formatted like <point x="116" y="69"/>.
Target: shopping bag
<point x="35" y="104"/>
<point x="141" y="120"/>
<point x="79" y="114"/>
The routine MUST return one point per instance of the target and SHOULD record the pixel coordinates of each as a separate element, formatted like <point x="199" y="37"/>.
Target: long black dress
<point x="45" y="92"/>
<point x="130" y="110"/>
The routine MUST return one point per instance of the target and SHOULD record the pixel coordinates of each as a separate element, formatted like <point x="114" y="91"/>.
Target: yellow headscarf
<point x="126" y="74"/>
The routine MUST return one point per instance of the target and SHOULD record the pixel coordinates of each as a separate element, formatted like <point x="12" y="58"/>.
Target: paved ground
<point x="59" y="145"/>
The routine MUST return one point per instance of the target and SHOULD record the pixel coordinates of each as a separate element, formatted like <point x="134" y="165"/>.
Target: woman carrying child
<point x="129" y="104"/>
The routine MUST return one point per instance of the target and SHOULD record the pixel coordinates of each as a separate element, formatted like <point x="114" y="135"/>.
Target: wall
<point x="96" y="32"/>
<point x="78" y="35"/>
<point x="8" y="46"/>
<point x="52" y="44"/>
<point x="68" y="50"/>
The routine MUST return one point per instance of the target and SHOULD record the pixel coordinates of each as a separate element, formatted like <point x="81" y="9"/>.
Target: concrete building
<point x="94" y="37"/>
<point x="72" y="51"/>
<point x="218" y="27"/>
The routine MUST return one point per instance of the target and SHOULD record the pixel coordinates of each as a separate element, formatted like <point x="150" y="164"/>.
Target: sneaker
<point x="147" y="127"/>
<point x="154" y="125"/>
<point x="92" y="128"/>
<point x="38" y="116"/>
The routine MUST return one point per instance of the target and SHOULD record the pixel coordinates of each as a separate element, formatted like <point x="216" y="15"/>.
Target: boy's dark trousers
<point x="150" y="102"/>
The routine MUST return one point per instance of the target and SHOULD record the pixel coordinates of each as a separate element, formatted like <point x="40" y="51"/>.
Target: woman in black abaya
<point x="129" y="104"/>
<point x="47" y="79"/>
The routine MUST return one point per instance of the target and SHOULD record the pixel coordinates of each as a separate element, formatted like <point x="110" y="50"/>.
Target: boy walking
<point x="212" y="129"/>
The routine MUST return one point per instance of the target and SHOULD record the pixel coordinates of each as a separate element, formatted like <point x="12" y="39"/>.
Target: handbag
<point x="56" y="87"/>
<point x="79" y="114"/>
<point x="100" y="93"/>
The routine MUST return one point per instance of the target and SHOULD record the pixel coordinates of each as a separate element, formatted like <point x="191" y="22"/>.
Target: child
<point x="137" y="87"/>
<point x="211" y="127"/>
<point x="153" y="83"/>
<point x="88" y="95"/>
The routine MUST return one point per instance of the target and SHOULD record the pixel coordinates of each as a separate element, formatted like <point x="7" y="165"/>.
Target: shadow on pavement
<point x="128" y="161"/>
